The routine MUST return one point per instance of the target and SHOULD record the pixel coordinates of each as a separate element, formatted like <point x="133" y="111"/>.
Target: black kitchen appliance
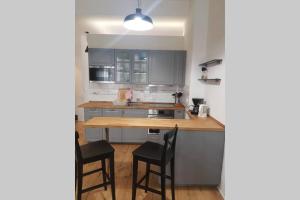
<point x="105" y="74"/>
<point x="154" y="135"/>
<point x="196" y="102"/>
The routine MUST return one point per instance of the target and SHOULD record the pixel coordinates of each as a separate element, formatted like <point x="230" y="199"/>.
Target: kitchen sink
<point x="135" y="104"/>
<point x="157" y="105"/>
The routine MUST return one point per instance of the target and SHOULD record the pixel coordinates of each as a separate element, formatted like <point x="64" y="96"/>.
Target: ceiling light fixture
<point x="138" y="21"/>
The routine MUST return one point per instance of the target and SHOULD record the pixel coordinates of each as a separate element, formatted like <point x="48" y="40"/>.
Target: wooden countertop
<point x="197" y="124"/>
<point x="140" y="105"/>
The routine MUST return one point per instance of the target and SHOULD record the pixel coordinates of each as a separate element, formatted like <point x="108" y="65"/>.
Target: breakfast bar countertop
<point x="196" y="124"/>
<point x="134" y="105"/>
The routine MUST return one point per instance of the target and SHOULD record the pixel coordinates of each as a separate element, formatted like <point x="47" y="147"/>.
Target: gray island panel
<point x="199" y="157"/>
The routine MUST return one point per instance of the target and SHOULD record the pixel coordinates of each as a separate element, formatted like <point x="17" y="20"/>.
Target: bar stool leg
<point x="76" y="174"/>
<point x="172" y="178"/>
<point x="104" y="172"/>
<point x="112" y="176"/>
<point x="163" y="181"/>
<point x="80" y="177"/>
<point x="147" y="176"/>
<point x="134" y="177"/>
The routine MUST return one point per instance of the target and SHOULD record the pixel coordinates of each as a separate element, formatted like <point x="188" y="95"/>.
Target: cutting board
<point x="124" y="94"/>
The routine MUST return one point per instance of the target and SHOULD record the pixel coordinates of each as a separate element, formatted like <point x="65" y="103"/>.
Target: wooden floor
<point x="123" y="173"/>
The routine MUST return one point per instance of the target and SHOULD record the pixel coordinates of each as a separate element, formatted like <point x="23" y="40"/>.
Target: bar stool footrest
<point x="92" y="172"/>
<point x="159" y="174"/>
<point x="142" y="179"/>
<point x="95" y="187"/>
<point x="149" y="189"/>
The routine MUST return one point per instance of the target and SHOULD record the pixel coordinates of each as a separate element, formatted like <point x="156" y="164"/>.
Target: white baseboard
<point x="221" y="192"/>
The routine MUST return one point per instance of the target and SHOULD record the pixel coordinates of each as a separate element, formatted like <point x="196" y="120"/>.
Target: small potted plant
<point x="204" y="73"/>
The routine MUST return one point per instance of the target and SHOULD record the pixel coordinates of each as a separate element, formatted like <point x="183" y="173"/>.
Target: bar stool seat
<point x="150" y="152"/>
<point x="95" y="151"/>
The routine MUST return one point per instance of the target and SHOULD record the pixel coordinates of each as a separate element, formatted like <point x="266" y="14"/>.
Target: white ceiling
<point x="106" y="16"/>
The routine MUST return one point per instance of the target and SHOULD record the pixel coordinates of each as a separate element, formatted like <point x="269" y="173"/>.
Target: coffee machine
<point x="196" y="102"/>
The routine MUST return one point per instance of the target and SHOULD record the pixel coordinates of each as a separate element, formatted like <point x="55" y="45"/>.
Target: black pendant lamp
<point x="138" y="21"/>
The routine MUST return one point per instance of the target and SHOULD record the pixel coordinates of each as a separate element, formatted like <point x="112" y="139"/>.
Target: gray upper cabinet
<point x="99" y="56"/>
<point x="156" y="67"/>
<point x="115" y="134"/>
<point x="123" y="61"/>
<point x="131" y="66"/>
<point x="93" y="134"/>
<point x="180" y="63"/>
<point x="161" y="67"/>
<point x="140" y="65"/>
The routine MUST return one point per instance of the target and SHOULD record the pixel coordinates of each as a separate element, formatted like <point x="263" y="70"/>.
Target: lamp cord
<point x="139" y="3"/>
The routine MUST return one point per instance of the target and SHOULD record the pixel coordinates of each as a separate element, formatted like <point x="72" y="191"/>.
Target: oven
<point x="159" y="114"/>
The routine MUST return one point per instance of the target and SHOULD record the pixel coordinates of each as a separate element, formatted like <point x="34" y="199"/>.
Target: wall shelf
<point x="211" y="62"/>
<point x="210" y="79"/>
<point x="204" y="69"/>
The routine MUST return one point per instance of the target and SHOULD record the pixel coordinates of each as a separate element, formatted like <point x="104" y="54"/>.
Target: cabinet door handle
<point x="112" y="111"/>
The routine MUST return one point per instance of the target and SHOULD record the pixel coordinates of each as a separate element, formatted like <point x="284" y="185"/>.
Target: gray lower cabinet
<point x="93" y="134"/>
<point x="115" y="134"/>
<point x="134" y="135"/>
<point x="179" y="114"/>
<point x="161" y="67"/>
<point x="200" y="156"/>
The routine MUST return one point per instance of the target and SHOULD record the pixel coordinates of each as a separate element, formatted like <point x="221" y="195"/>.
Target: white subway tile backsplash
<point x="109" y="92"/>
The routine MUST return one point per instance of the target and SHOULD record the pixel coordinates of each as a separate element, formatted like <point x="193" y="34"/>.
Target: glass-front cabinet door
<point x="140" y="67"/>
<point x="123" y="66"/>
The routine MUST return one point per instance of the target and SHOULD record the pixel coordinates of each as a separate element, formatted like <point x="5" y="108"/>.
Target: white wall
<point x="81" y="84"/>
<point x="195" y="43"/>
<point x="136" y="42"/>
<point x="204" y="40"/>
<point x="215" y="94"/>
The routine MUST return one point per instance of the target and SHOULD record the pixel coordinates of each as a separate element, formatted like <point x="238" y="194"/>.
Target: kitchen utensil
<point x="177" y="96"/>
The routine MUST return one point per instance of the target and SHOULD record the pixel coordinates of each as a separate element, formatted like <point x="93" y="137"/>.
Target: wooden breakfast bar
<point x="205" y="124"/>
<point x="199" y="149"/>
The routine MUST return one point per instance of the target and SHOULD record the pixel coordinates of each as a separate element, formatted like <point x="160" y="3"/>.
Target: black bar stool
<point x="156" y="154"/>
<point x="92" y="152"/>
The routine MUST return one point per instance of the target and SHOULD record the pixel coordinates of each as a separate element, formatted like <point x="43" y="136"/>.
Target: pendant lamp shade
<point x="138" y="21"/>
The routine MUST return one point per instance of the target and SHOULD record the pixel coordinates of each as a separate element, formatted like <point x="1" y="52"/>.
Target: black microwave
<point x="102" y="74"/>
